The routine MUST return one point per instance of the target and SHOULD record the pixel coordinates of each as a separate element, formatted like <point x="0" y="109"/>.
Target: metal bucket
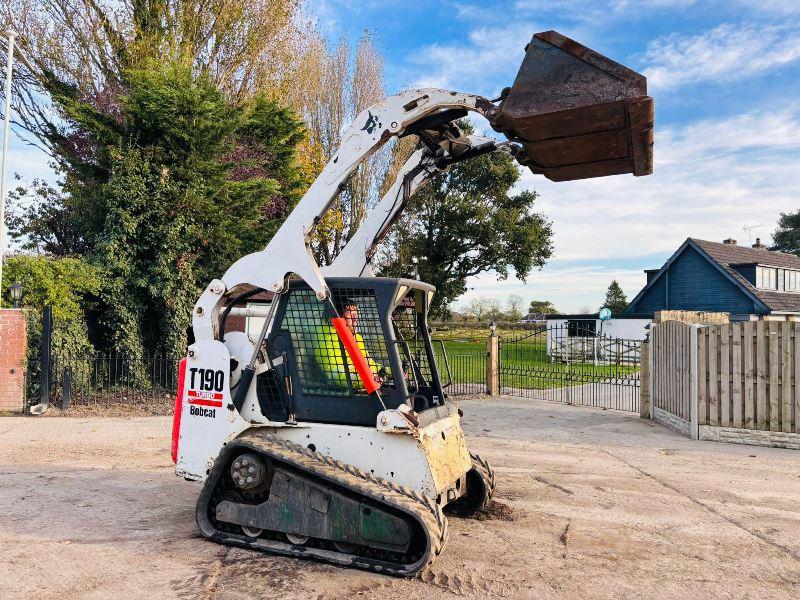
<point x="577" y="113"/>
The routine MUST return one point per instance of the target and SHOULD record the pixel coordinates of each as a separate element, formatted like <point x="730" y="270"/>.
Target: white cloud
<point x="475" y="65"/>
<point x="582" y="7"/>
<point x="726" y="53"/>
<point x="712" y="179"/>
<point x="775" y="7"/>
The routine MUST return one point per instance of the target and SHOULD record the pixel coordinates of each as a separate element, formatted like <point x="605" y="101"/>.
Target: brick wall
<point x="12" y="359"/>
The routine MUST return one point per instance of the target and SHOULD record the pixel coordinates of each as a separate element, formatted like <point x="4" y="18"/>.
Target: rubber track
<point x="409" y="502"/>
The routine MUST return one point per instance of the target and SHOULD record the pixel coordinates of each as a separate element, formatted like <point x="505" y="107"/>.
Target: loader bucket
<point x="577" y="113"/>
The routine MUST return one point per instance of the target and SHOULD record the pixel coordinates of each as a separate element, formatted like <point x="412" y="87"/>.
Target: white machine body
<point x="429" y="458"/>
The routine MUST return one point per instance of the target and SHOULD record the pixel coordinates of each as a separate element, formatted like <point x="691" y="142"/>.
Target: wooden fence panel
<point x="737" y="381"/>
<point x="749" y="368"/>
<point x="762" y="375"/>
<point x="713" y="374"/>
<point x="671" y="379"/>
<point x="702" y="376"/>
<point x="748" y="375"/>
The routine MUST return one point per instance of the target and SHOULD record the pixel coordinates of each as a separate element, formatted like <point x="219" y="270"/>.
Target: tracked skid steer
<point x="327" y="433"/>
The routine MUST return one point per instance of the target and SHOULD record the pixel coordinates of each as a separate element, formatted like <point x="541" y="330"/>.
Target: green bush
<point x="70" y="287"/>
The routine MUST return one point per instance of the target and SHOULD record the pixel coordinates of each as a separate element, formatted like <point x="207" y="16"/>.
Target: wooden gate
<point x="674" y="373"/>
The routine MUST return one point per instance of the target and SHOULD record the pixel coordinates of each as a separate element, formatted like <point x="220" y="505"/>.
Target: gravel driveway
<point x="590" y="504"/>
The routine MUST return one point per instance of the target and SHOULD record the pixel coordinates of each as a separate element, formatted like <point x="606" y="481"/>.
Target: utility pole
<point x="6" y="135"/>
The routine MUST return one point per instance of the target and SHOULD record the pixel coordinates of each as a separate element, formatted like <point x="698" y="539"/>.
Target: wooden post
<point x="651" y="351"/>
<point x="493" y="364"/>
<point x="773" y="331"/>
<point x="762" y="374"/>
<point x="749" y="376"/>
<point x="786" y="377"/>
<point x="644" y="389"/>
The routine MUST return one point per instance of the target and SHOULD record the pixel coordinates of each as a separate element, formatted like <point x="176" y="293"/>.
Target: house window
<point x="582" y="328"/>
<point x="792" y="281"/>
<point x="767" y="278"/>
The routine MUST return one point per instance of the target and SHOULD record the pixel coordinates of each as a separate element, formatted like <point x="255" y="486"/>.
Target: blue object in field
<point x="605" y="314"/>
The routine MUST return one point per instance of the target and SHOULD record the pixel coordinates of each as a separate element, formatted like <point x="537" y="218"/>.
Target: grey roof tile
<point x="728" y="254"/>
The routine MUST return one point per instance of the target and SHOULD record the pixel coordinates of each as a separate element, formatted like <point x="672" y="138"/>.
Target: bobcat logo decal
<point x="371" y="124"/>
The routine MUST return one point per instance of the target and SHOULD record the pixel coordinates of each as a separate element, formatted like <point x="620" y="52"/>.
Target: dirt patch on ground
<point x="495" y="509"/>
<point x="91" y="507"/>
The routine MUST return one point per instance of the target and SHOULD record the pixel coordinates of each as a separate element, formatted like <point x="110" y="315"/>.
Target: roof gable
<point x="727" y="255"/>
<point x="727" y="272"/>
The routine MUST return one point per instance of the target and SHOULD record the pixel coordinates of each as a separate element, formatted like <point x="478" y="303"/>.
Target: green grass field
<point x="524" y="362"/>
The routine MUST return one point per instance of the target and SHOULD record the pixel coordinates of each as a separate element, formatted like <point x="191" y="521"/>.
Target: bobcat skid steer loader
<point x="329" y="435"/>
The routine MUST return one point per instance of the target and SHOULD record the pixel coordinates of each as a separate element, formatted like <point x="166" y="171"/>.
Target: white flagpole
<point x="6" y="135"/>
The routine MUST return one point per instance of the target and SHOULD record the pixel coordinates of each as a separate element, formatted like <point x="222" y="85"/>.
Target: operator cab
<point x="312" y="375"/>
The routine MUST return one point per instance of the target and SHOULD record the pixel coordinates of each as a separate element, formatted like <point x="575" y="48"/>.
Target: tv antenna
<point x="748" y="229"/>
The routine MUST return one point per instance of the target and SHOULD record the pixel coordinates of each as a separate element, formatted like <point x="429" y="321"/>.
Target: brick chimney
<point x="729" y="242"/>
<point x="759" y="245"/>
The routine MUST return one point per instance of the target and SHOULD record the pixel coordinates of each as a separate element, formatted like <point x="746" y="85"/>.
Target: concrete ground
<point x="590" y="504"/>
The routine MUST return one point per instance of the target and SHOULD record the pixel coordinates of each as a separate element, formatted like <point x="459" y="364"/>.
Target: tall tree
<point x="205" y="183"/>
<point x="514" y="305"/>
<point x="615" y="299"/>
<point x="542" y="307"/>
<point x="165" y="196"/>
<point x="271" y="47"/>
<point x="787" y="235"/>
<point x="483" y="309"/>
<point x="90" y="46"/>
<point x="337" y="82"/>
<point x="173" y="163"/>
<point x="465" y="222"/>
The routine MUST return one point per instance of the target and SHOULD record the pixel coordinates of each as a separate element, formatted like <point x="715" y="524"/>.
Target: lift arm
<point x="421" y="167"/>
<point x="289" y="252"/>
<point x="576" y="114"/>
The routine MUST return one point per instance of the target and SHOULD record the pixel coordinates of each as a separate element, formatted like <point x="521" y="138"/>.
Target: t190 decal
<point x="206" y="379"/>
<point x="205" y="391"/>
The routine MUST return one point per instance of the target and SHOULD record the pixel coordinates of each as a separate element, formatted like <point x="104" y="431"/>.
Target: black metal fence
<point x="112" y="379"/>
<point x="462" y="365"/>
<point x="60" y="376"/>
<point x="563" y="363"/>
<point x="574" y="365"/>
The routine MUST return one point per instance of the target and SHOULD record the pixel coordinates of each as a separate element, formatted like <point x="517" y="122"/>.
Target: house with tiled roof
<point x="749" y="282"/>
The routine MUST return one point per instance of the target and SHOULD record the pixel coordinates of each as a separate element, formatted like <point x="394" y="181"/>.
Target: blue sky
<point x="726" y="81"/>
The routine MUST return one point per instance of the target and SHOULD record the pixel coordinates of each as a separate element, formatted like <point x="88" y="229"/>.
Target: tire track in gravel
<point x="791" y="552"/>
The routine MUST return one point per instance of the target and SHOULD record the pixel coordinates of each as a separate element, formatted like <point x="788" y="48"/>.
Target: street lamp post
<point x="16" y="293"/>
<point x="6" y="135"/>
